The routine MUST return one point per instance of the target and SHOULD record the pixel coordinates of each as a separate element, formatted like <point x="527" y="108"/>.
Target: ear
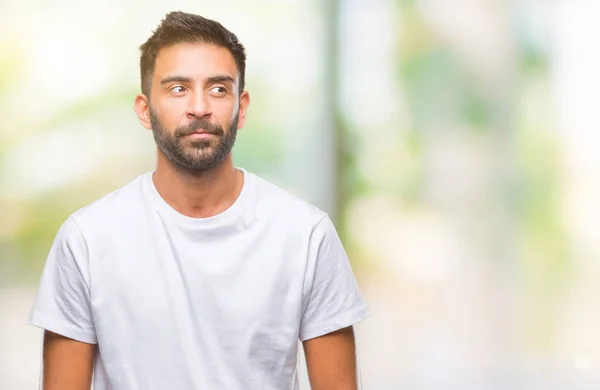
<point x="244" y="103"/>
<point x="141" y="107"/>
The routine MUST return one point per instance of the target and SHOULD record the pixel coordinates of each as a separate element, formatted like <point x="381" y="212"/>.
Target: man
<point x="198" y="275"/>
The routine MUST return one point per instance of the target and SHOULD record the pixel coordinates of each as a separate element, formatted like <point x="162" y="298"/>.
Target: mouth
<point x="200" y="134"/>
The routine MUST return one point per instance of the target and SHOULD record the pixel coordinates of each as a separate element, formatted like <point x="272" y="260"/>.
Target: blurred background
<point x="454" y="142"/>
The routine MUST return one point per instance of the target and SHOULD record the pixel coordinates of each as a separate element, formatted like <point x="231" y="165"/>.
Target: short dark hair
<point x="181" y="27"/>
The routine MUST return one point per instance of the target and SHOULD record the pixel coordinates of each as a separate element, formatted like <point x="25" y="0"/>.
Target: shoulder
<point x="284" y="207"/>
<point x="113" y="206"/>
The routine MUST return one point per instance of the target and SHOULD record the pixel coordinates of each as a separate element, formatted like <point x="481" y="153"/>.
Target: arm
<point x="331" y="361"/>
<point x="62" y="307"/>
<point x="68" y="363"/>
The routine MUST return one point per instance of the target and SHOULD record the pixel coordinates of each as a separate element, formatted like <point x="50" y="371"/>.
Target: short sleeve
<point x="332" y="299"/>
<point x="62" y="304"/>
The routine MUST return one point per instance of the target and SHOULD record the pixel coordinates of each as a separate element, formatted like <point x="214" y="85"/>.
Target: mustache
<point x="198" y="124"/>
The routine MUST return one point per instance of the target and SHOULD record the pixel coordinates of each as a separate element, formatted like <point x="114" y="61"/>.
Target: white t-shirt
<point x="175" y="302"/>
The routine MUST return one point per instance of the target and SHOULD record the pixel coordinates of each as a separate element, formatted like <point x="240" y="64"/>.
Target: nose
<point x="199" y="106"/>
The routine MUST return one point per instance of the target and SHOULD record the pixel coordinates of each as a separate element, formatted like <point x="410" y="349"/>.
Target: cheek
<point x="227" y="112"/>
<point x="171" y="113"/>
<point x="174" y="107"/>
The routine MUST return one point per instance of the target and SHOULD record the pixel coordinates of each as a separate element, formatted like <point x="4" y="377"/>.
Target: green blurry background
<point x="453" y="142"/>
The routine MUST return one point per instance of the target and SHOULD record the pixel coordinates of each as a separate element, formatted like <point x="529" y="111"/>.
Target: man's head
<point x="180" y="27"/>
<point x="193" y="98"/>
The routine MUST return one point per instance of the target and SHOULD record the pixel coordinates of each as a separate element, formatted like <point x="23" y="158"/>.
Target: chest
<point x="168" y="280"/>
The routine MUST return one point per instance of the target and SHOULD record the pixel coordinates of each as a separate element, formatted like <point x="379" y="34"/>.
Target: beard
<point x="196" y="155"/>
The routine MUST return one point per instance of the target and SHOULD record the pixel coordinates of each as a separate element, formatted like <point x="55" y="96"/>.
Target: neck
<point x="198" y="194"/>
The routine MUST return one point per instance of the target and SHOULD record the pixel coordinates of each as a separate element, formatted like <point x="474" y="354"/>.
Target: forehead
<point x="194" y="60"/>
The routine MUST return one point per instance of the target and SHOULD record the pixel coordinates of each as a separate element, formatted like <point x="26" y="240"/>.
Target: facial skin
<point x="194" y="153"/>
<point x="194" y="109"/>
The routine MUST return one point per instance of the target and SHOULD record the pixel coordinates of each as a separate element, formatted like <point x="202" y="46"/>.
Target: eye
<point x="177" y="89"/>
<point x="218" y="90"/>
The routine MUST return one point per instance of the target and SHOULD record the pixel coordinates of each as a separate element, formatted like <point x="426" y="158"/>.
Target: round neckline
<point x="226" y="215"/>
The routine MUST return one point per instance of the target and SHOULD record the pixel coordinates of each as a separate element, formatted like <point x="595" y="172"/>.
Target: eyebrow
<point x="220" y="79"/>
<point x="208" y="80"/>
<point x="175" y="79"/>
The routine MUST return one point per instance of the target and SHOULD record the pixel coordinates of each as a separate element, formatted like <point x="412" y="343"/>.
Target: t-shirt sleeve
<point x="62" y="304"/>
<point x="332" y="299"/>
